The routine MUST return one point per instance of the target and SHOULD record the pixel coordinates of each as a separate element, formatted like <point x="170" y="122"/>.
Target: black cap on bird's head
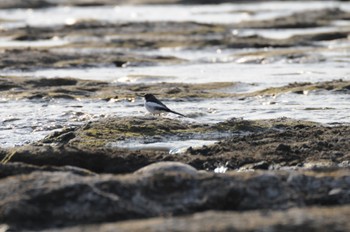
<point x="149" y="97"/>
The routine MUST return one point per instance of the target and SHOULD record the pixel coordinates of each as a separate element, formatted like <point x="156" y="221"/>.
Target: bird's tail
<point x="174" y="112"/>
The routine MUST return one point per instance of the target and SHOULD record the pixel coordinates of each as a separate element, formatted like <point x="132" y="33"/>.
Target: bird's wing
<point x="157" y="106"/>
<point x="160" y="103"/>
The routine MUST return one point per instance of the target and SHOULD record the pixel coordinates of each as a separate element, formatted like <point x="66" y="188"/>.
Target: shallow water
<point x="25" y="121"/>
<point x="262" y="76"/>
<point x="222" y="13"/>
<point x="173" y="147"/>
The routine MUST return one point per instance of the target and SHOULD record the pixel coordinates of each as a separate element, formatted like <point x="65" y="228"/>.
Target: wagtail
<point x="154" y="106"/>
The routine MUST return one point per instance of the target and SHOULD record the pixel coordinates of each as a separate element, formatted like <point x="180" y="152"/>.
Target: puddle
<point x="173" y="147"/>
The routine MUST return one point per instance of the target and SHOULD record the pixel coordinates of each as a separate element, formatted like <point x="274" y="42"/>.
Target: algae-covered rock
<point x="243" y="145"/>
<point x="149" y="129"/>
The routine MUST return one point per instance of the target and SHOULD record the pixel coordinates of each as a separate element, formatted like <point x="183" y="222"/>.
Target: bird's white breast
<point x="153" y="107"/>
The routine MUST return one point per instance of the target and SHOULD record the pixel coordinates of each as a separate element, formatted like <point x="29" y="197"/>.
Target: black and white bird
<point x="154" y="106"/>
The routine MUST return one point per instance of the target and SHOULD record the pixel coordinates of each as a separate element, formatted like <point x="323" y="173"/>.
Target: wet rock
<point x="334" y="86"/>
<point x="146" y="129"/>
<point x="45" y="82"/>
<point x="15" y="168"/>
<point x="60" y="137"/>
<point x="8" y="4"/>
<point x="284" y="148"/>
<point x="262" y="165"/>
<point x="70" y="88"/>
<point x="96" y="160"/>
<point x="303" y="19"/>
<point x="43" y="88"/>
<point x="291" y="146"/>
<point x="285" y="55"/>
<point x="282" y="142"/>
<point x="27" y="200"/>
<point x="29" y="59"/>
<point x="6" y="84"/>
<point x="307" y="39"/>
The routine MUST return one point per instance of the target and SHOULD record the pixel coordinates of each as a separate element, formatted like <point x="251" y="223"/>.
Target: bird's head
<point x="149" y="97"/>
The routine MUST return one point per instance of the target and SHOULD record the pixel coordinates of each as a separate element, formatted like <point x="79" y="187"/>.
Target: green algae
<point x="114" y="129"/>
<point x="102" y="132"/>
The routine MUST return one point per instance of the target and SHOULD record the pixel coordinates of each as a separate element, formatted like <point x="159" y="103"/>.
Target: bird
<point x="154" y="106"/>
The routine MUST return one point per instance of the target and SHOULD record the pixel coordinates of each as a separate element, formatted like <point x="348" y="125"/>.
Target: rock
<point x="282" y="147"/>
<point x="288" y="145"/>
<point x="313" y="219"/>
<point x="49" y="88"/>
<point x="303" y="19"/>
<point x="95" y="160"/>
<point x="44" y="199"/>
<point x="14" y="168"/>
<point x="262" y="165"/>
<point x="262" y="143"/>
<point x="161" y="167"/>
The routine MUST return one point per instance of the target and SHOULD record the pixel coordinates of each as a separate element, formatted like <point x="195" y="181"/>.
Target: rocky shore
<point x="276" y="169"/>
<point x="276" y="174"/>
